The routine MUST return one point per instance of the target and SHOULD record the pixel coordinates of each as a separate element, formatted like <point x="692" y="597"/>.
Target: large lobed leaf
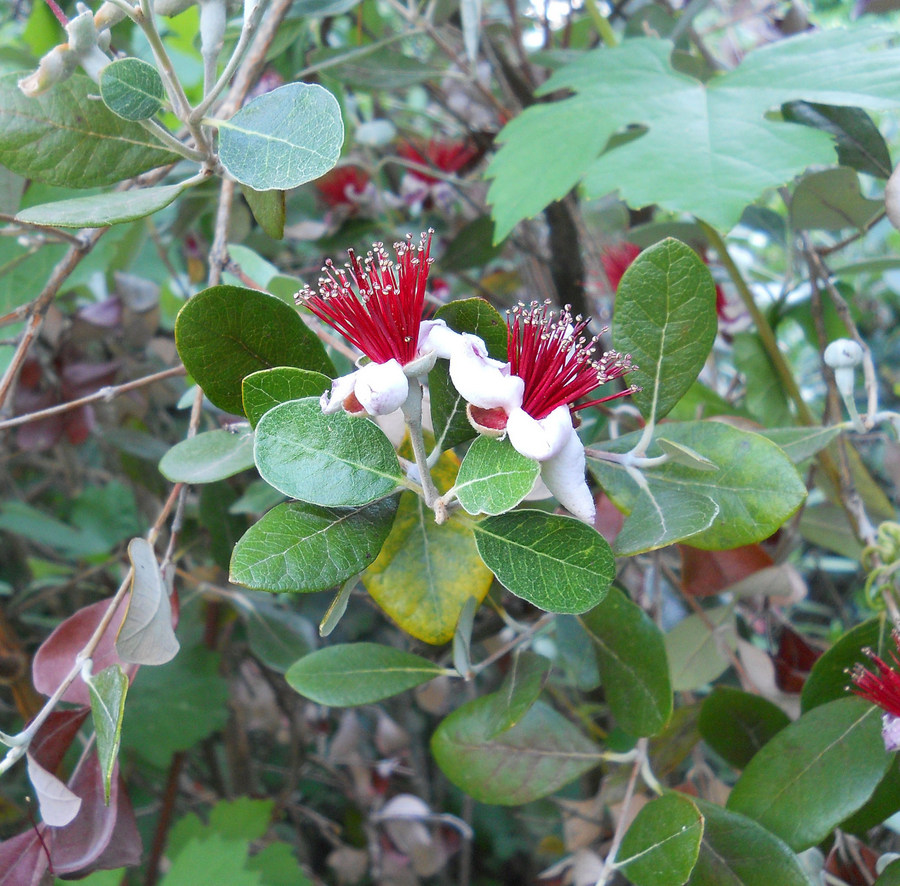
<point x="726" y="150"/>
<point x="63" y="137"/>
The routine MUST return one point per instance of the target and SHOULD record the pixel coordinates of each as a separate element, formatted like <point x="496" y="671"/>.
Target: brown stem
<point x="165" y="818"/>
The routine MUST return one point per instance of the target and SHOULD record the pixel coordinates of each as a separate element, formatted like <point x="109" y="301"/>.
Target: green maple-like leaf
<point x="720" y="148"/>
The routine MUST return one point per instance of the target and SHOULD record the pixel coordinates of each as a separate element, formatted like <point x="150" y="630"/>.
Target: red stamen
<point x="882" y="688"/>
<point x="379" y="308"/>
<point x="556" y="361"/>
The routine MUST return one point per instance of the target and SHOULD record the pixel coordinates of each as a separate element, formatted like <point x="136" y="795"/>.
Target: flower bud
<point x="57" y="65"/>
<point x="843" y="355"/>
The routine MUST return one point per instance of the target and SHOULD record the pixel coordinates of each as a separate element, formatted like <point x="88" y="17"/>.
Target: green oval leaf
<point x="82" y="143"/>
<point x="557" y="563"/>
<point x="448" y="408"/>
<point x="755" y="485"/>
<point x="831" y="200"/>
<point x="268" y="208"/>
<point x="303" y="547"/>
<point x="814" y="773"/>
<point x="132" y="89"/>
<point x="737" y="724"/>
<point x="267" y="388"/>
<point x="634" y="670"/>
<point x="283" y="138"/>
<point x="227" y="332"/>
<point x="331" y="460"/>
<point x="662" y="517"/>
<point x="695" y="647"/>
<point x="662" y="843"/>
<point x="540" y="754"/>
<point x="799" y="444"/>
<point x="358" y="673"/>
<point x="100" y="210"/>
<point x="520" y="690"/>
<point x="207" y="457"/>
<point x="493" y="477"/>
<point x="737" y="851"/>
<point x="828" y="678"/>
<point x="108" y="690"/>
<point x="665" y="317"/>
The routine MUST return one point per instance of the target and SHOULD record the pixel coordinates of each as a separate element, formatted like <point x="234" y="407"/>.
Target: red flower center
<point x="556" y="361"/>
<point x="883" y="688"/>
<point x="376" y="304"/>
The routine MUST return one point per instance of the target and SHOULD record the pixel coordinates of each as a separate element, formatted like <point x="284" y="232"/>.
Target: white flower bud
<point x="57" y="65"/>
<point x="843" y="355"/>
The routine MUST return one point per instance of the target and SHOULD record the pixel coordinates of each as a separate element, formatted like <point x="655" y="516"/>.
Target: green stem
<point x="412" y="412"/>
<point x="601" y="23"/>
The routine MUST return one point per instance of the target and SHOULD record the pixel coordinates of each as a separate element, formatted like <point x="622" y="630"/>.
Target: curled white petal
<point x="481" y="380"/>
<point x="890" y="732"/>
<point x="341" y="389"/>
<point x="539" y="491"/>
<point x="381" y="387"/>
<point x="435" y="336"/>
<point x="564" y="476"/>
<point x="540" y="439"/>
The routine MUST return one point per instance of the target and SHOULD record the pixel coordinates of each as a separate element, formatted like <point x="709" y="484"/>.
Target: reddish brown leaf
<point x="55" y="736"/>
<point x="23" y="861"/>
<point x="793" y="661"/>
<point x="843" y="866"/>
<point x="704" y="573"/>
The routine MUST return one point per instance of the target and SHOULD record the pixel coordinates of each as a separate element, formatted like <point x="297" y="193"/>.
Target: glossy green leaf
<point x="695" y="647"/>
<point x="426" y="572"/>
<point x="634" y="670"/>
<point x="830" y="200"/>
<point x="814" y="773"/>
<point x="82" y="143"/>
<point x="557" y="563"/>
<point x="860" y="145"/>
<point x="268" y="208"/>
<point x="332" y="460"/>
<point x="520" y="690"/>
<point x="100" y="210"/>
<point x="108" y="690"/>
<point x="278" y="635"/>
<point x="358" y="673"/>
<point x="227" y="332"/>
<point x="765" y="398"/>
<point x="267" y="388"/>
<point x="539" y="755"/>
<point x="736" y="851"/>
<point x="829" y="679"/>
<point x="665" y="317"/>
<point x="146" y="635"/>
<point x="208" y="456"/>
<point x="132" y="89"/>
<point x="661" y="845"/>
<point x="448" y="409"/>
<point x="737" y="724"/>
<point x="890" y="876"/>
<point x="728" y="151"/>
<point x="884" y="802"/>
<point x="684" y="455"/>
<point x="756" y="487"/>
<point x="663" y="516"/>
<point x="299" y="547"/>
<point x="283" y="138"/>
<point x="493" y="477"/>
<point x="799" y="444"/>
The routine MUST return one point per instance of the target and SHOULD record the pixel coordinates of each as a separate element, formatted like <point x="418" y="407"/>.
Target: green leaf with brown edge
<point x="282" y="138"/>
<point x="268" y="208"/>
<point x="350" y="674"/>
<point x="64" y="137"/>
<point x="860" y="144"/>
<point x="737" y="724"/>
<point x="539" y="755"/>
<point x="227" y="332"/>
<point x="828" y="680"/>
<point x="661" y="845"/>
<point x="208" y="456"/>
<point x="634" y="670"/>
<point x="755" y="485"/>
<point x="265" y="389"/>
<point x="333" y="460"/>
<point x="108" y="690"/>
<point x="100" y="210"/>
<point x="665" y="317"/>
<point x="298" y="547"/>
<point x="132" y="89"/>
<point x="448" y="408"/>
<point x="557" y="563"/>
<point x="814" y="773"/>
<point x="493" y="478"/>
<point x="736" y="851"/>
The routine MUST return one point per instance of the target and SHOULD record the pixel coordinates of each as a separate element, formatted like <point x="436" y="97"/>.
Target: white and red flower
<point x="882" y="689"/>
<point x="532" y="397"/>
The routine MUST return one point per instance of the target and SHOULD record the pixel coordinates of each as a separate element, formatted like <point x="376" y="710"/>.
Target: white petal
<point x="437" y="337"/>
<point x="890" y="732"/>
<point x="564" y="476"/>
<point x="381" y="387"/>
<point x="540" y="439"/>
<point x="539" y="491"/>
<point x="482" y="381"/>
<point x="341" y="389"/>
